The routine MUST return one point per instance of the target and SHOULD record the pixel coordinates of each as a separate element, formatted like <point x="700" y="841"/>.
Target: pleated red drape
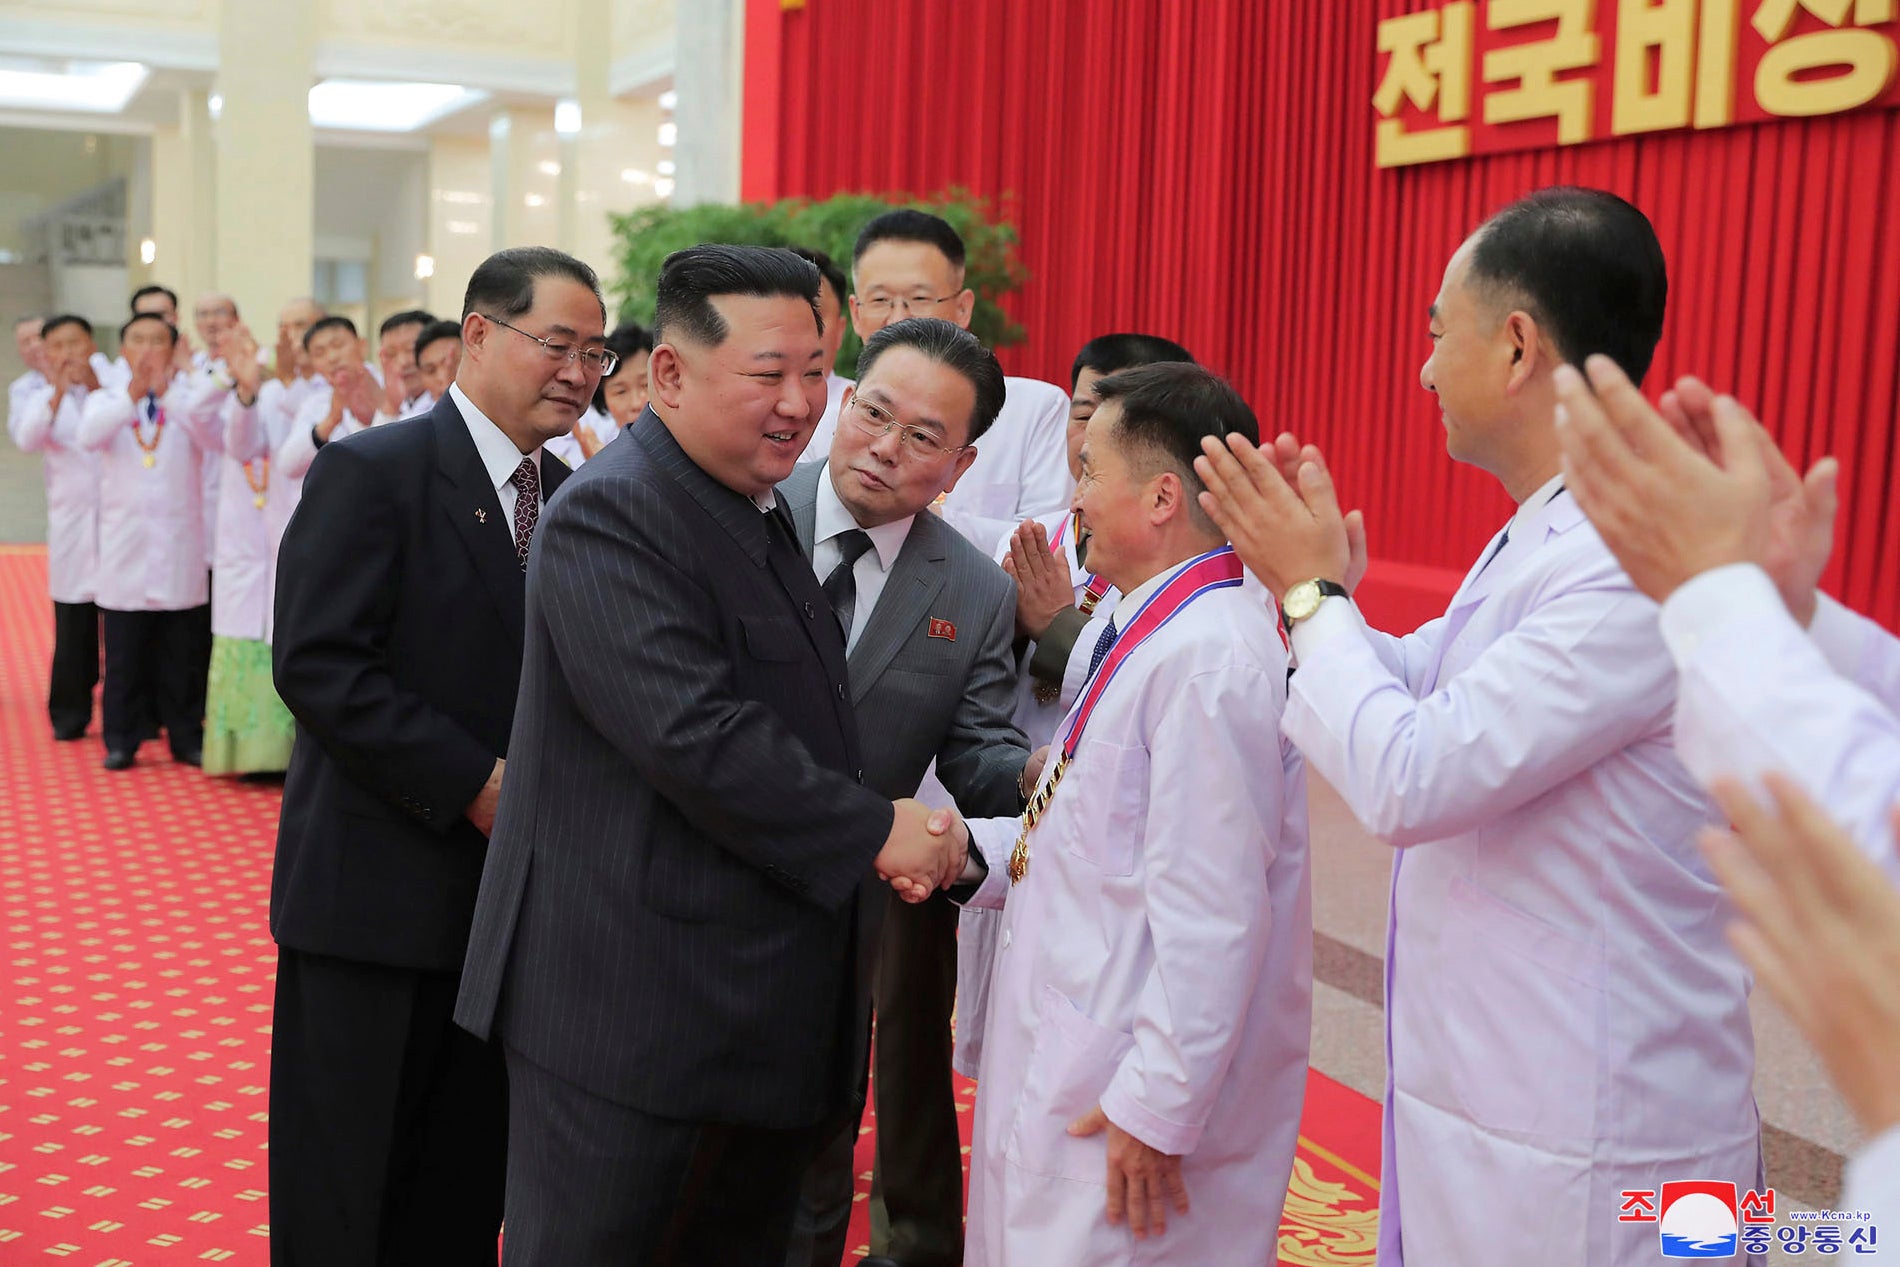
<point x="1202" y="169"/>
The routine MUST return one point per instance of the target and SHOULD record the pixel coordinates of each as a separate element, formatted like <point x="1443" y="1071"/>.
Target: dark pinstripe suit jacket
<point x="921" y="698"/>
<point x="670" y="913"/>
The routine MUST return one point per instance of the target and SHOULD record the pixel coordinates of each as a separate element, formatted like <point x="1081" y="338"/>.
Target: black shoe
<point x="67" y="733"/>
<point x="118" y="759"/>
<point x="189" y="756"/>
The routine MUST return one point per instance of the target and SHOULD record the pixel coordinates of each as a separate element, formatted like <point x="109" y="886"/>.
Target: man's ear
<point x="665" y="376"/>
<point x="1529" y="348"/>
<point x="961" y="465"/>
<point x="1165" y="496"/>
<point x="966" y="307"/>
<point x="475" y="329"/>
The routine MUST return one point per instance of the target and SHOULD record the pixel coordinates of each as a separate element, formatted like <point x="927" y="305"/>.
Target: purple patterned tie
<point x="527" y="507"/>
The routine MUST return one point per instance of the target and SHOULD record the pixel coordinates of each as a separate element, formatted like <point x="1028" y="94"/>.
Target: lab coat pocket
<point x="1071" y="1065"/>
<point x="1111" y="802"/>
<point x="1524" y="1004"/>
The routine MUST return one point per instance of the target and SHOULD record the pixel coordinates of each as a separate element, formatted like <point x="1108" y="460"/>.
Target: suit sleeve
<point x="981" y="760"/>
<point x="637" y="639"/>
<point x="1215" y="755"/>
<point x="339" y="578"/>
<point x="1050" y="660"/>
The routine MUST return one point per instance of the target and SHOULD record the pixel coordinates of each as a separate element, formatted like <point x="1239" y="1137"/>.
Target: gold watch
<point x="1302" y="600"/>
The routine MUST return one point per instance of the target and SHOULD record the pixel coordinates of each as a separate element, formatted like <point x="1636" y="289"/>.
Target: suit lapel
<point x="799" y="492"/>
<point x="468" y="499"/>
<point x="915" y="581"/>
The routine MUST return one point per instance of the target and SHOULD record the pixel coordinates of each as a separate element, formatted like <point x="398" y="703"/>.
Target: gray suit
<point x="919" y="698"/>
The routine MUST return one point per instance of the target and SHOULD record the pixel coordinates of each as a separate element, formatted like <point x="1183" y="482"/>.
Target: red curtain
<point x="1203" y="170"/>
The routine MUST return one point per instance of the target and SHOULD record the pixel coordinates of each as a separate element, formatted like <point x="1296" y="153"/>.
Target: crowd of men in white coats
<point x="171" y="472"/>
<point x="1105" y="871"/>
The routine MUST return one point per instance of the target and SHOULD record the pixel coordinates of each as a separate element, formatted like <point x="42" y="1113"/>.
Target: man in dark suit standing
<point x="398" y="648"/>
<point x="676" y="923"/>
<point x="929" y="624"/>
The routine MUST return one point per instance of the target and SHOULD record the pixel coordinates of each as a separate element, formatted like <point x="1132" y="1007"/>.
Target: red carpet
<point x="135" y="1006"/>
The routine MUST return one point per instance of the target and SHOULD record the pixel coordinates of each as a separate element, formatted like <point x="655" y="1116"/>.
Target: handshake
<point x="925" y="851"/>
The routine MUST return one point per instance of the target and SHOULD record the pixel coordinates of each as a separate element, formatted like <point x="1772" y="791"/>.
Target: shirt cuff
<point x="1717" y="599"/>
<point x="1840" y="634"/>
<point x="1336" y="618"/>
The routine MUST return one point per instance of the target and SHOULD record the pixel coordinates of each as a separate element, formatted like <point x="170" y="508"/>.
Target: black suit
<point x="670" y="939"/>
<point x="398" y="648"/>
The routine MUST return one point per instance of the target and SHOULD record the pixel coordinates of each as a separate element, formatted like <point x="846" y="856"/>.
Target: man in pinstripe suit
<point x="929" y="623"/>
<point x="677" y="918"/>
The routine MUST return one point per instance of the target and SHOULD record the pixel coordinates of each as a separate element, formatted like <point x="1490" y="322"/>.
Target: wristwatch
<point x="1302" y="600"/>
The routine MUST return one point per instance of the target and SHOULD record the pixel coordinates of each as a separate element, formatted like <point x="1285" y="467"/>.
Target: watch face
<point x="1302" y="600"/>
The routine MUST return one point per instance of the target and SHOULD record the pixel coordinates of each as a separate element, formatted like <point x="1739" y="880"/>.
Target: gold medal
<point x="150" y="460"/>
<point x="1019" y="856"/>
<point x="258" y="501"/>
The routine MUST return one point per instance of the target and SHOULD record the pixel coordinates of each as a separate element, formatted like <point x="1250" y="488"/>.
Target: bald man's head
<point x="213" y="314"/>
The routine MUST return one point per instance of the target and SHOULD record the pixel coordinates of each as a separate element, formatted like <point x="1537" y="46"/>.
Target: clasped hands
<point x="925" y="851"/>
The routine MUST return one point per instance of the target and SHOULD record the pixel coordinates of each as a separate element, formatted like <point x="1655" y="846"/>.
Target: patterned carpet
<point x="135" y="1006"/>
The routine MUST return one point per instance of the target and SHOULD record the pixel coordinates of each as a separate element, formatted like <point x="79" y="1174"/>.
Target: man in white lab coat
<point x="1056" y="598"/>
<point x="152" y="578"/>
<point x="1564" y="1020"/>
<point x="1145" y="1047"/>
<point x="44" y="418"/>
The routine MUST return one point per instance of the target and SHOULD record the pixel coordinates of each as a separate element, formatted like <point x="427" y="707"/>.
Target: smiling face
<point x="895" y="280"/>
<point x="626" y="391"/>
<point x="879" y="475"/>
<point x="745" y="410"/>
<point x="1115" y="497"/>
<point x="1471" y="365"/>
<point x="530" y="393"/>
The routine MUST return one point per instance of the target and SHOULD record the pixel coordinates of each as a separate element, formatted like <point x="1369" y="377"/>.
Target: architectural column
<point x="709" y="77"/>
<point x="524" y="157"/>
<point x="266" y="184"/>
<point x="181" y="214"/>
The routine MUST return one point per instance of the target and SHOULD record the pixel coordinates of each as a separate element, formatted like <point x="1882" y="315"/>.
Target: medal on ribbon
<point x="1215" y="570"/>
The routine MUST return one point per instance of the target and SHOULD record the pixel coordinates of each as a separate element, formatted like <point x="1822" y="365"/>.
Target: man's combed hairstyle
<point x="332" y="322"/>
<point x="503" y="284"/>
<point x="953" y="347"/>
<point x="137" y="317"/>
<point x="1168" y="408"/>
<point x="66" y="319"/>
<point x="435" y="332"/>
<point x="1586" y="266"/>
<point x="133" y="303"/>
<point x="910" y="226"/>
<point x="1113" y="353"/>
<point x="827" y="269"/>
<point x="407" y="317"/>
<point x="691" y="279"/>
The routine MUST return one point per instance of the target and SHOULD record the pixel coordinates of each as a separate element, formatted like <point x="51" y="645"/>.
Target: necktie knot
<point x="527" y="480"/>
<point x="852" y="543"/>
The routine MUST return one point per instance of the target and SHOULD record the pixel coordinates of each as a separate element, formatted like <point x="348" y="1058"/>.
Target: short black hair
<point x="133" y="303"/>
<point x="407" y="317"/>
<point x="66" y="319"/>
<point x="949" y="345"/>
<point x="435" y="332"/>
<point x="1586" y="266"/>
<point x="1113" y="353"/>
<point x="335" y="321"/>
<point x="909" y="225"/>
<point x="624" y="340"/>
<point x="503" y="284"/>
<point x="692" y="278"/>
<point x="137" y="317"/>
<point x="827" y="269"/>
<point x="1168" y="408"/>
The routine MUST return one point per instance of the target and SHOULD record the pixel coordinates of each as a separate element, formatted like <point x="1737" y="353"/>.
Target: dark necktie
<point x="1102" y="644"/>
<point x="1489" y="559"/>
<point x="527" y="507"/>
<point x="841" y="587"/>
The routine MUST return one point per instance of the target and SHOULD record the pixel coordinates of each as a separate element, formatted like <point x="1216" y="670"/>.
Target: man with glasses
<point x="397" y="647"/>
<point x="929" y="624"/>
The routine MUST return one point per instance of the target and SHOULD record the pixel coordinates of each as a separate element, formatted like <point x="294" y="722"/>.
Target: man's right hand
<point x="481" y="810"/>
<point x="1043" y="584"/>
<point x="917" y="860"/>
<point x="327" y="427"/>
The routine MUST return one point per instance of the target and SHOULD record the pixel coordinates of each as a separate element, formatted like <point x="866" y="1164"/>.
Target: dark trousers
<point x="388" y="1122"/>
<point x="592" y="1183"/>
<point x="75" y="666"/>
<point x="917" y="1179"/>
<point x="155" y="669"/>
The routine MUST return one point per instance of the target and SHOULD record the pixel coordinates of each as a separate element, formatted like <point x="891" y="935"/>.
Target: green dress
<point x="247" y="728"/>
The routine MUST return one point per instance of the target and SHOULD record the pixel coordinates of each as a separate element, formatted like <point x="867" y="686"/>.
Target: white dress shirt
<point x="499" y="455"/>
<point x="1759" y="693"/>
<point x="872" y="568"/>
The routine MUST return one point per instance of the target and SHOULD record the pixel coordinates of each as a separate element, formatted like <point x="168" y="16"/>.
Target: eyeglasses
<point x="593" y="360"/>
<point x="914" y="306"/>
<point x="914" y="442"/>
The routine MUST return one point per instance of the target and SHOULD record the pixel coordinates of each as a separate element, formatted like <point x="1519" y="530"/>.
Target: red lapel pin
<point x="941" y="628"/>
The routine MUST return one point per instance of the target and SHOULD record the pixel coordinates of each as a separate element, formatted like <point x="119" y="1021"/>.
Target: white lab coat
<point x="151" y="519"/>
<point x="72" y="486"/>
<point x="568" y="449"/>
<point x="1759" y="693"/>
<point x="1563" y="1017"/>
<point x="1021" y="468"/>
<point x="1156" y="959"/>
<point x="978" y="928"/>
